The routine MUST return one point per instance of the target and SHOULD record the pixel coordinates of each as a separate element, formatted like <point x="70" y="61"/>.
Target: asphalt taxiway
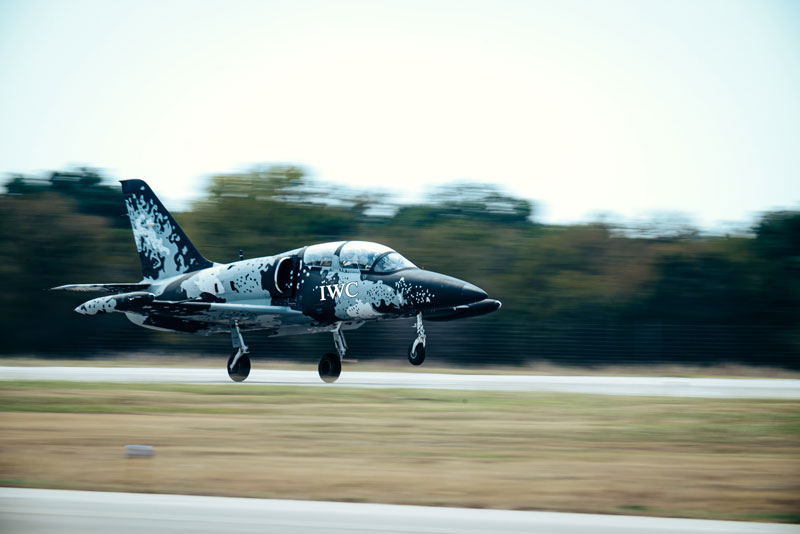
<point x="748" y="388"/>
<point x="38" y="511"/>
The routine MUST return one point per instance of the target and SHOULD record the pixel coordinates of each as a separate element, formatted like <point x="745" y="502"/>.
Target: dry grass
<point x="724" y="459"/>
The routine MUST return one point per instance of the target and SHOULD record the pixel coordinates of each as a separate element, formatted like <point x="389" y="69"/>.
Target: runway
<point x="35" y="511"/>
<point x="745" y="388"/>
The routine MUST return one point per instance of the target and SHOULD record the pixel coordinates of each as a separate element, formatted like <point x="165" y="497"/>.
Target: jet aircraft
<point x="328" y="287"/>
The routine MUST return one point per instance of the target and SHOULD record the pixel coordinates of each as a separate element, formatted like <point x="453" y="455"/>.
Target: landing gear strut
<point x="330" y="366"/>
<point x="416" y="352"/>
<point x="239" y="363"/>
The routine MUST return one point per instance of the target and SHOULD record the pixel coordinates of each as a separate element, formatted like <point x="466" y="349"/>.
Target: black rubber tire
<point x="241" y="370"/>
<point x="330" y="367"/>
<point x="416" y="356"/>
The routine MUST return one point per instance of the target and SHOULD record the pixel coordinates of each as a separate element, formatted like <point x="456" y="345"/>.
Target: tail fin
<point x="163" y="247"/>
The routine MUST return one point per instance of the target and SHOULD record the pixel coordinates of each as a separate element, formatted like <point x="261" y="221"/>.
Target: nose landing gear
<point x="239" y="362"/>
<point x="416" y="352"/>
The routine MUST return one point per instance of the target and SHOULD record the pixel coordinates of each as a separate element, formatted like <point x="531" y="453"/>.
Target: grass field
<point x="701" y="458"/>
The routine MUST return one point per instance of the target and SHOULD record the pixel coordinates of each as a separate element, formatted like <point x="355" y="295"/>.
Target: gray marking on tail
<point x="163" y="247"/>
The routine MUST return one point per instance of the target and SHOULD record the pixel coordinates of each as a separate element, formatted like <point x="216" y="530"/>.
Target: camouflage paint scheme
<point x="326" y="287"/>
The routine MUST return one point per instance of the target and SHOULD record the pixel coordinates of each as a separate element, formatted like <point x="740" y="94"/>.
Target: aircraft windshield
<point x="392" y="262"/>
<point x="321" y="255"/>
<point x="360" y="254"/>
<point x="356" y="255"/>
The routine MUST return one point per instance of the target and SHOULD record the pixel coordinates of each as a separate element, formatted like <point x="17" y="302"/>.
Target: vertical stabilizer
<point x="163" y="247"/>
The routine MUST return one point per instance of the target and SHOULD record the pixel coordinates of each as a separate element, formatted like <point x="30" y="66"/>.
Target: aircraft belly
<point x="208" y="318"/>
<point x="221" y="324"/>
<point x="293" y="330"/>
<point x="174" y="324"/>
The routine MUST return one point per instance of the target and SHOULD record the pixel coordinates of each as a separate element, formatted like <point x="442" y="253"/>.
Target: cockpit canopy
<point x="361" y="255"/>
<point x="321" y="255"/>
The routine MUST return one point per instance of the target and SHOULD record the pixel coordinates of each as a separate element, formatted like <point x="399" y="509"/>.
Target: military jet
<point x="328" y="287"/>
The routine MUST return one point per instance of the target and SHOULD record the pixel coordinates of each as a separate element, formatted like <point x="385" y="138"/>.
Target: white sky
<point x="625" y="107"/>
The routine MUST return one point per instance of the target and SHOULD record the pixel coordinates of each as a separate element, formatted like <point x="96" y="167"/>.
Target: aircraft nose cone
<point x="430" y="290"/>
<point x="472" y="293"/>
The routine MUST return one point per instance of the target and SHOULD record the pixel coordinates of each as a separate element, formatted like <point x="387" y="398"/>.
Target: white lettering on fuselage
<point x="347" y="287"/>
<point x="336" y="290"/>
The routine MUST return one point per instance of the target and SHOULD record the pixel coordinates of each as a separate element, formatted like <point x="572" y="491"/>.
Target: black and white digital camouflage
<point x="328" y="287"/>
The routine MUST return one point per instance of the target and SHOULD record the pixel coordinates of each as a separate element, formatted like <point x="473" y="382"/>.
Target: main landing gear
<point x="239" y="362"/>
<point x="416" y="352"/>
<point x="330" y="366"/>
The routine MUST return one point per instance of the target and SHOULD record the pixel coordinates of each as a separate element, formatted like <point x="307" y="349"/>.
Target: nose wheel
<point x="416" y="352"/>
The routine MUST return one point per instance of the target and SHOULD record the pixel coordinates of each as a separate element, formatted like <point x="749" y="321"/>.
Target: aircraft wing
<point x="196" y="315"/>
<point x="103" y="288"/>
<point x="255" y="315"/>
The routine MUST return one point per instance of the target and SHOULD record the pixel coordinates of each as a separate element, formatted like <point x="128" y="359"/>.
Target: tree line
<point x="580" y="294"/>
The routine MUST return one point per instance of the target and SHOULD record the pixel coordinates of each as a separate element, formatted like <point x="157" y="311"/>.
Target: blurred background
<point x="622" y="175"/>
<point x="577" y="294"/>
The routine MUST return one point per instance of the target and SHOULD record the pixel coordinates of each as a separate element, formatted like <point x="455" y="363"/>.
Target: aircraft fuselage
<point x="325" y="287"/>
<point x="325" y="295"/>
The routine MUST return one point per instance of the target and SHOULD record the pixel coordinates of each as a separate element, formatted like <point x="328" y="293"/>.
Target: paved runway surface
<point x="604" y="385"/>
<point x="33" y="511"/>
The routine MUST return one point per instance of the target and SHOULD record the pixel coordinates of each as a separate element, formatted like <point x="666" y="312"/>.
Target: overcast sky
<point x="585" y="107"/>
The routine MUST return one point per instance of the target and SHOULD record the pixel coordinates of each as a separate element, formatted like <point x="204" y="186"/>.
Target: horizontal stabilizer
<point x="103" y="288"/>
